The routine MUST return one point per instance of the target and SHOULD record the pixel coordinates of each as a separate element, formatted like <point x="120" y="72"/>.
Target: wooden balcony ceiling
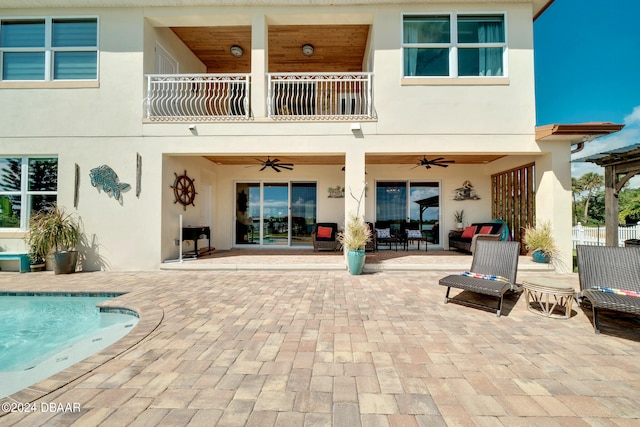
<point x="212" y="46"/>
<point x="337" y="48"/>
<point x="371" y="159"/>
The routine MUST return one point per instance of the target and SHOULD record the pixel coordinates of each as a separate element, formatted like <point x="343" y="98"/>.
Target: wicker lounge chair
<point x="491" y="258"/>
<point x="604" y="270"/>
<point x="323" y="238"/>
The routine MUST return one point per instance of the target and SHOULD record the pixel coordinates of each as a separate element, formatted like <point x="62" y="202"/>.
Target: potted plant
<point x="459" y="218"/>
<point x="54" y="230"/>
<point x="540" y="243"/>
<point x="36" y="262"/>
<point x="354" y="238"/>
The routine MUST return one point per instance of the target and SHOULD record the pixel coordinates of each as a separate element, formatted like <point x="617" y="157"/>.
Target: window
<point x="49" y="49"/>
<point x="27" y="184"/>
<point x="456" y="45"/>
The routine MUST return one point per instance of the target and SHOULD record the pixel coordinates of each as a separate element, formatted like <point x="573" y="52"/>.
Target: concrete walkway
<point x="324" y="348"/>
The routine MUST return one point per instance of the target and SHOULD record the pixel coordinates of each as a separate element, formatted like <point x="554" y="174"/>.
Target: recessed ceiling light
<point x="307" y="50"/>
<point x="236" y="51"/>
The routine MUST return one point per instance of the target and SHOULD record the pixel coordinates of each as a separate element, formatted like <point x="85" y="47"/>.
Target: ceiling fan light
<point x="236" y="51"/>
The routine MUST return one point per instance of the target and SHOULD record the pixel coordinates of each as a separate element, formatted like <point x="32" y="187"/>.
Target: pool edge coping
<point x="150" y="316"/>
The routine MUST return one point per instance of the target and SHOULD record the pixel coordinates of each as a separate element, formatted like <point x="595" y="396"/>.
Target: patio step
<point x="297" y="263"/>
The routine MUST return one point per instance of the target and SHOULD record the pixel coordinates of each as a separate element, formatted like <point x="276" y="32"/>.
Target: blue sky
<point x="587" y="58"/>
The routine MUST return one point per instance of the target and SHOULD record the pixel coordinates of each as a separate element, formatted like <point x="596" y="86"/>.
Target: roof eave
<point x="576" y="133"/>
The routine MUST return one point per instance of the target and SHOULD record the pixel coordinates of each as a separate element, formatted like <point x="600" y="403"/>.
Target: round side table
<point x="547" y="297"/>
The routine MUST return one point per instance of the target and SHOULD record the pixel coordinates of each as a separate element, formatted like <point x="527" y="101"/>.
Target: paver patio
<point x="322" y="348"/>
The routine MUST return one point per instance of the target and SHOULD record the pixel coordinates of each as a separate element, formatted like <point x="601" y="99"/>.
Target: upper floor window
<point x="454" y="45"/>
<point x="27" y="185"/>
<point x="47" y="49"/>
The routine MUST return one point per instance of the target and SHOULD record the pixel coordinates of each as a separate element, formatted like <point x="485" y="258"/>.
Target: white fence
<point x="595" y="236"/>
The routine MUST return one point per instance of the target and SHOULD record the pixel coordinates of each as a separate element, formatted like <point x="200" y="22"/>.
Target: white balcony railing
<point x="197" y="97"/>
<point x="335" y="96"/>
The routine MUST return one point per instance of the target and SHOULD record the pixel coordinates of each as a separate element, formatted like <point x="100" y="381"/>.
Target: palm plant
<point x="591" y="182"/>
<point x="53" y="230"/>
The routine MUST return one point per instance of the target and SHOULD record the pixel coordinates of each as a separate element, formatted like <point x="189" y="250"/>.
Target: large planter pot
<point x="541" y="257"/>
<point x="65" y="262"/>
<point x="355" y="260"/>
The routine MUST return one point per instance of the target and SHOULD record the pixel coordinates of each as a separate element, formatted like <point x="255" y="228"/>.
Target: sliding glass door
<point x="412" y="203"/>
<point x="275" y="213"/>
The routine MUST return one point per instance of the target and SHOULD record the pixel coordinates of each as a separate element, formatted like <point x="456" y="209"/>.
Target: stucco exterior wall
<point x="102" y="123"/>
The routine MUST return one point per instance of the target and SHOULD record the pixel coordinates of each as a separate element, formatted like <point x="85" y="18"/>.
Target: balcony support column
<point x="354" y="181"/>
<point x="259" y="60"/>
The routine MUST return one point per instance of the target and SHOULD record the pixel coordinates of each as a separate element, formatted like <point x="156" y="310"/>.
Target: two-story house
<point x="254" y="117"/>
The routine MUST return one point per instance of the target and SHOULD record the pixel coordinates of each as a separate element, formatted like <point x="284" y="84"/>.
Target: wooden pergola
<point x="620" y="166"/>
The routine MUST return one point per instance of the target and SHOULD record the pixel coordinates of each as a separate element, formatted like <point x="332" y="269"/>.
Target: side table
<point x="546" y="297"/>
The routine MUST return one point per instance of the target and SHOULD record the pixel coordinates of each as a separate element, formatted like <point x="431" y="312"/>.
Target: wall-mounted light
<point x="236" y="51"/>
<point x="307" y="50"/>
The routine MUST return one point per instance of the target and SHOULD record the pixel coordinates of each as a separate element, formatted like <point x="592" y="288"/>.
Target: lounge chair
<point x="493" y="272"/>
<point x="325" y="236"/>
<point x="608" y="277"/>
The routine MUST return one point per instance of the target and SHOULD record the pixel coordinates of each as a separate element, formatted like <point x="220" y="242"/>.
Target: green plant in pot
<point x="52" y="230"/>
<point x="458" y="216"/>
<point x="540" y="242"/>
<point x="36" y="262"/>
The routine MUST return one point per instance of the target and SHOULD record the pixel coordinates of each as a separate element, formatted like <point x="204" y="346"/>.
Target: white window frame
<point x="453" y="44"/>
<point x="49" y="50"/>
<point x="24" y="193"/>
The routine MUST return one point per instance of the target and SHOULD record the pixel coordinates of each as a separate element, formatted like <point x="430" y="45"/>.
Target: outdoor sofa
<point x="609" y="278"/>
<point x="466" y="240"/>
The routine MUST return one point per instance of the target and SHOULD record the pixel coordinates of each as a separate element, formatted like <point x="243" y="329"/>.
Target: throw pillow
<point x="486" y="229"/>
<point x="324" y="232"/>
<point x="414" y="234"/>
<point x="469" y="232"/>
<point x="383" y="233"/>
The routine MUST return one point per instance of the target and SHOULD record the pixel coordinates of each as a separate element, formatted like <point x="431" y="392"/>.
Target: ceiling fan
<point x="440" y="161"/>
<point x="274" y="164"/>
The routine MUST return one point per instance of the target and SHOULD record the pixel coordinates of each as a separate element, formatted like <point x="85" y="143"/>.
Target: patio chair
<point x="413" y="235"/>
<point x="493" y="272"/>
<point x="609" y="278"/>
<point x="325" y="236"/>
<point x="385" y="235"/>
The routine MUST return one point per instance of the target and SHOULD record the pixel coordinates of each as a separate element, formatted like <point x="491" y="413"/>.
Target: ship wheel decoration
<point x="184" y="190"/>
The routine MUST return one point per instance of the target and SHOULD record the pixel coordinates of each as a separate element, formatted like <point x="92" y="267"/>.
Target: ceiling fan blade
<point x="441" y="165"/>
<point x="263" y="167"/>
<point x="275" y="168"/>
<point x="446" y="161"/>
<point x="416" y="166"/>
<point x="428" y="166"/>
<point x="275" y="160"/>
<point x="285" y="167"/>
<point x="436" y="160"/>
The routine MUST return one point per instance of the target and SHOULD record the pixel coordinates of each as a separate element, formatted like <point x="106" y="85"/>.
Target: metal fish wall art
<point x="105" y="178"/>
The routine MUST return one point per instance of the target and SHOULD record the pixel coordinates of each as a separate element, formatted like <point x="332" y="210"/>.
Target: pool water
<point x="42" y="335"/>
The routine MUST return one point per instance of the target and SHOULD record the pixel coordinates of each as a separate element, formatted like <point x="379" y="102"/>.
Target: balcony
<point x="197" y="97"/>
<point x="291" y="96"/>
<point x="320" y="96"/>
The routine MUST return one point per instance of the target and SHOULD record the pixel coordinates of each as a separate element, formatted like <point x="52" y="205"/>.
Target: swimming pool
<point x="44" y="334"/>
